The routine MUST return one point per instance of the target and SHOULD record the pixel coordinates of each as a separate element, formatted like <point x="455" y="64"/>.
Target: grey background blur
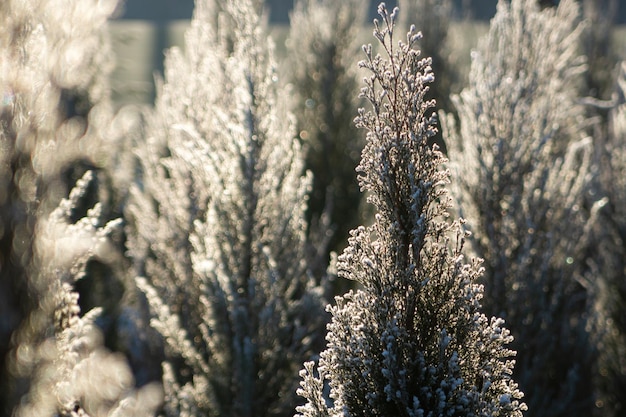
<point x="165" y="10"/>
<point x="144" y="29"/>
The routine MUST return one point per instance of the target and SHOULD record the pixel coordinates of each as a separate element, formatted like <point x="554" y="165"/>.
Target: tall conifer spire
<point x="413" y="341"/>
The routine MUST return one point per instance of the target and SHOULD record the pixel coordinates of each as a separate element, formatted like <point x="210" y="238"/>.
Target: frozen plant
<point x="413" y="340"/>
<point x="521" y="162"/>
<point x="217" y="228"/>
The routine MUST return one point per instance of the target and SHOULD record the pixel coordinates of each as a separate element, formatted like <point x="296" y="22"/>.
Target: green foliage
<point x="212" y="216"/>
<point x="433" y="18"/>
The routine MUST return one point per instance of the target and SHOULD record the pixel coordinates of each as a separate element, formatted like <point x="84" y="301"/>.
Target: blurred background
<point x="144" y="29"/>
<point x="164" y="10"/>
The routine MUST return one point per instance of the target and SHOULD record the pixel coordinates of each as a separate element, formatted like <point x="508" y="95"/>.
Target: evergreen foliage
<point x="323" y="51"/>
<point x="412" y="341"/>
<point x="522" y="172"/>
<point x="217" y="228"/>
<point x="433" y="17"/>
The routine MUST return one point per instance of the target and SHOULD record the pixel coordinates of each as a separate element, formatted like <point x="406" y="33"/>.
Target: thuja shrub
<point x="217" y="226"/>
<point x="412" y="341"/>
<point x="521" y="165"/>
